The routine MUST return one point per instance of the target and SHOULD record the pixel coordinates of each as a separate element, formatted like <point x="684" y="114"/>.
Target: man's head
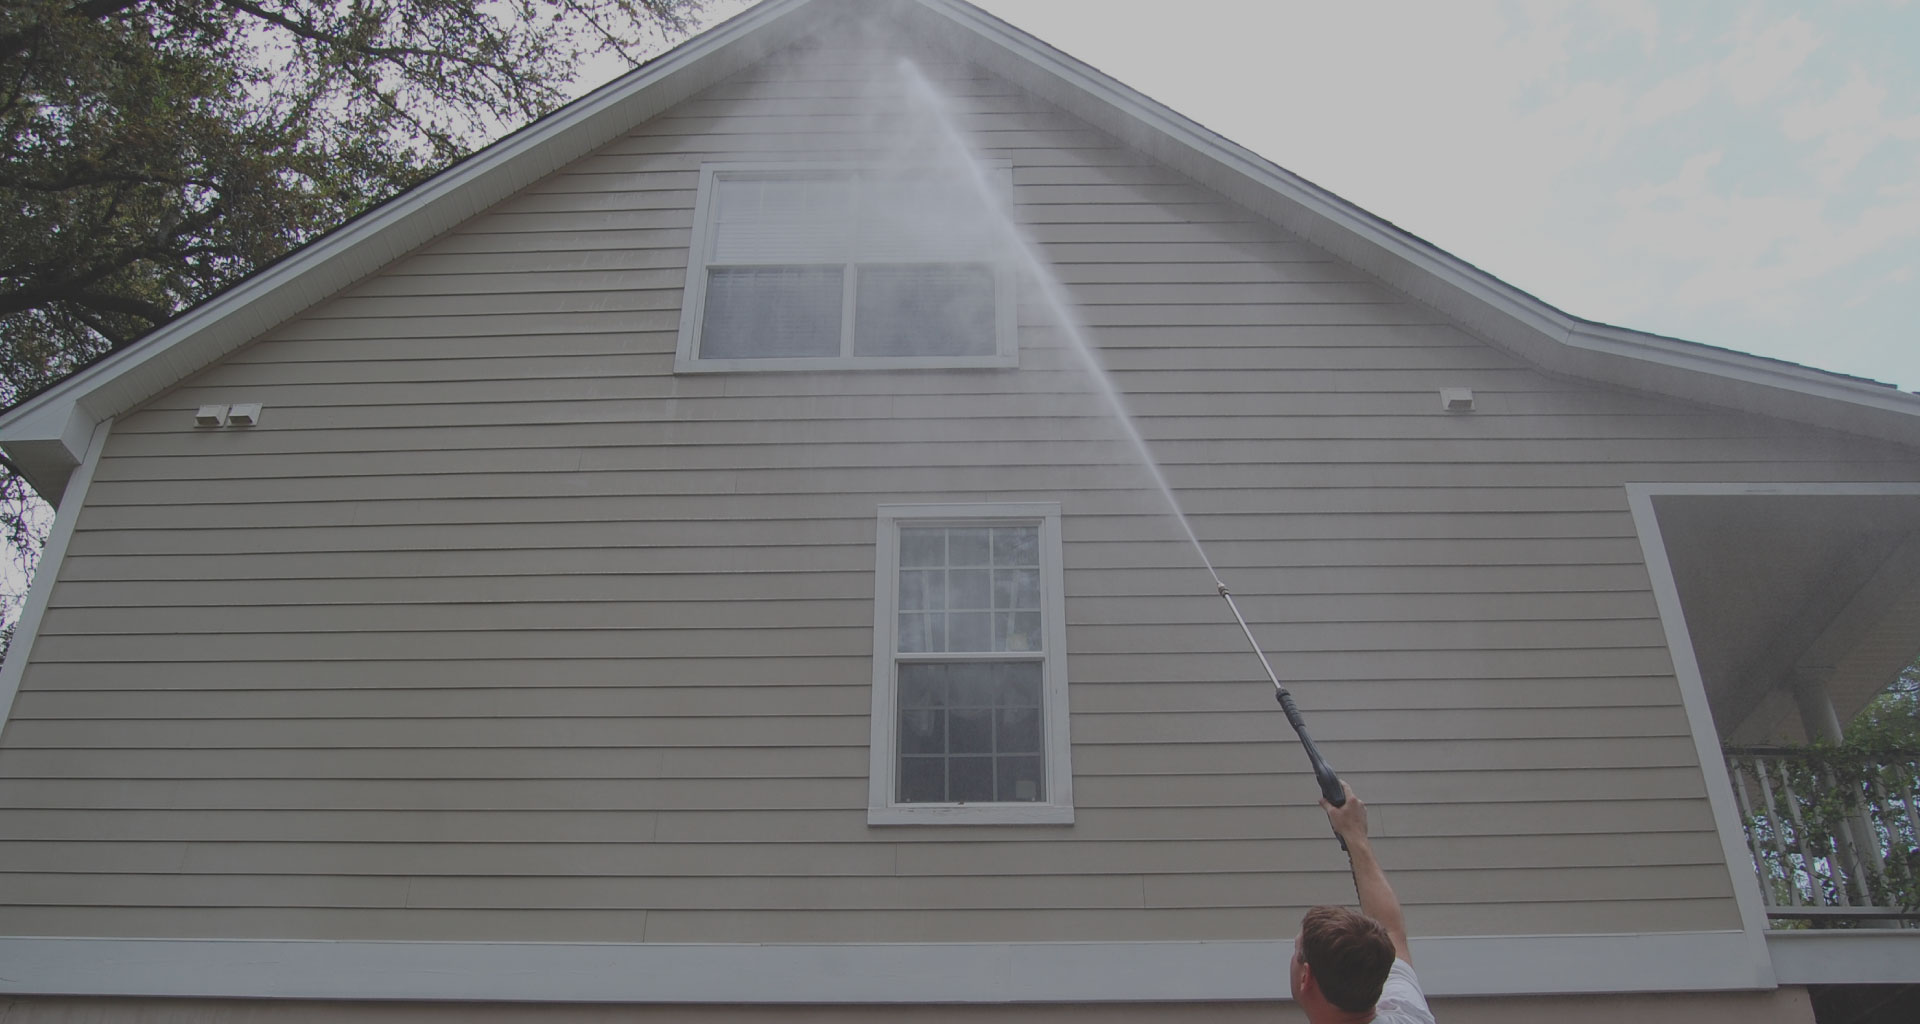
<point x="1342" y="954"/>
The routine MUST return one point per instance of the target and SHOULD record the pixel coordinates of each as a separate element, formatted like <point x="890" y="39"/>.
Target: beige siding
<point x="497" y="629"/>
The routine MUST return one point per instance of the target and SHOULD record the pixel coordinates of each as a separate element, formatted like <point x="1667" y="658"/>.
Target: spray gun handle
<point x="1323" y="773"/>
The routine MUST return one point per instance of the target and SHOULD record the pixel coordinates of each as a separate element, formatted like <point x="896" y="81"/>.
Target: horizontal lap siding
<point x="497" y="629"/>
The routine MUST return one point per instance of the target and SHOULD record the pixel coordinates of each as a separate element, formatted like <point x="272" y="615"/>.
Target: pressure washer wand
<point x="1330" y="786"/>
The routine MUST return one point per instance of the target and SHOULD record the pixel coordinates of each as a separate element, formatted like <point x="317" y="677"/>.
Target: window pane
<point x="1016" y="545"/>
<point x="923" y="780"/>
<point x="922" y="632"/>
<point x="923" y="310"/>
<point x="968" y="631"/>
<point x="1017" y="731"/>
<point x="923" y="547"/>
<point x="926" y="217"/>
<point x="974" y="682"/>
<point x="1016" y="588"/>
<point x="968" y="590"/>
<point x="970" y="779"/>
<point x="968" y="546"/>
<point x="771" y="312"/>
<point x="1016" y="684"/>
<point x="923" y="731"/>
<point x="922" y="590"/>
<point x="1019" y="779"/>
<point x="783" y="219"/>
<point x="970" y="731"/>
<point x="1016" y="631"/>
<point x="923" y="686"/>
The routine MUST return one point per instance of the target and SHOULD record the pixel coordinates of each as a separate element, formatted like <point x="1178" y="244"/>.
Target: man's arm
<point x="1376" y="896"/>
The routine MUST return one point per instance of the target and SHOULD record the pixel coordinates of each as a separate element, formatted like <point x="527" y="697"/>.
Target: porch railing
<point x="1834" y="833"/>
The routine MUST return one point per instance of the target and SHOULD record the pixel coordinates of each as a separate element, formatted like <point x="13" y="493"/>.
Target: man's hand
<point x="1376" y="896"/>
<point x="1349" y="820"/>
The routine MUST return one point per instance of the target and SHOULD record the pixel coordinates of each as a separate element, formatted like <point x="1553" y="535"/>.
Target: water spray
<point x="918" y="88"/>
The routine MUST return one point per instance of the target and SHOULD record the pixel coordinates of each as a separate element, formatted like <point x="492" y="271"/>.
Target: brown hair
<point x="1349" y="954"/>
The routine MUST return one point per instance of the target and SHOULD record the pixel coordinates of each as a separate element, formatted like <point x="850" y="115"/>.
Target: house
<point x="632" y="577"/>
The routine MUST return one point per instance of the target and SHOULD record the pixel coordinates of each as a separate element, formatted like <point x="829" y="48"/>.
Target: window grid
<point x="971" y="589"/>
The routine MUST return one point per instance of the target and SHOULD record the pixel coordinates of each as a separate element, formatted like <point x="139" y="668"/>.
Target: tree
<point x="159" y="151"/>
<point x="1891" y="721"/>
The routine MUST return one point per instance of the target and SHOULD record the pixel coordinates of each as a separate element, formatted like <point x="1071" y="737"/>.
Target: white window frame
<point x="1057" y="808"/>
<point x="997" y="173"/>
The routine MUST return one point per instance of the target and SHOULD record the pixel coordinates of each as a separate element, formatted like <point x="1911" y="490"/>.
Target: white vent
<point x="1456" y="399"/>
<point x="210" y="416"/>
<point x="244" y="415"/>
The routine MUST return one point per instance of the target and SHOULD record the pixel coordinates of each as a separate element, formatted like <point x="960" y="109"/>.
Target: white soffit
<point x="46" y="435"/>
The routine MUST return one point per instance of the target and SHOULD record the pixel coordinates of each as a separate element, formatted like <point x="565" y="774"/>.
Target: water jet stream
<point x="960" y="154"/>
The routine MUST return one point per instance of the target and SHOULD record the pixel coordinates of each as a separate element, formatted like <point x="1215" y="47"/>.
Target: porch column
<point x="1817" y="717"/>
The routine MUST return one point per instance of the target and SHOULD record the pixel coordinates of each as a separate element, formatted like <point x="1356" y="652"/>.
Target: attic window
<point x="809" y="268"/>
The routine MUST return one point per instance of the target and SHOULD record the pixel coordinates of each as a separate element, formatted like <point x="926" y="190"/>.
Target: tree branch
<point x="307" y="30"/>
<point x="14" y="42"/>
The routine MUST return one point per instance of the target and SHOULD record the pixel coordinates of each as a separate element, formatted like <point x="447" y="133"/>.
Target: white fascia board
<point x="1506" y="316"/>
<point x="900" y="973"/>
<point x="1864" y="956"/>
<point x="336" y="260"/>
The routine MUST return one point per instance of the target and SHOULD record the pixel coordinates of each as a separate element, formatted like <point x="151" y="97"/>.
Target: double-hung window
<point x="970" y="686"/>
<point x="832" y="267"/>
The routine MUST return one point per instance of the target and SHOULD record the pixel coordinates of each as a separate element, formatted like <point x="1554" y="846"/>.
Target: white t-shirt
<point x="1401" y="1001"/>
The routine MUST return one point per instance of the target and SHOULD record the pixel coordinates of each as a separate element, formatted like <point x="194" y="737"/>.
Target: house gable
<point x="47" y="435"/>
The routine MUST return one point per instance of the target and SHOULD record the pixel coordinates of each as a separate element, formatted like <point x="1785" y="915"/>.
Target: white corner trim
<point x="1862" y="956"/>
<point x="905" y="973"/>
<point x="48" y="570"/>
<point x="1706" y="740"/>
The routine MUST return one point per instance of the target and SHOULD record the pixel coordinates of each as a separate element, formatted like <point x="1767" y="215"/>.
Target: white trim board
<point x="1693" y="698"/>
<point x="924" y="973"/>
<point x="1865" y="956"/>
<point x="40" y="592"/>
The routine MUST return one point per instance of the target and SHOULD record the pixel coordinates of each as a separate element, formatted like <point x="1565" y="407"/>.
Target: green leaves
<point x="160" y="150"/>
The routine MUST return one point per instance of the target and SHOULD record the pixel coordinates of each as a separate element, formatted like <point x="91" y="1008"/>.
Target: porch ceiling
<point x="1781" y="588"/>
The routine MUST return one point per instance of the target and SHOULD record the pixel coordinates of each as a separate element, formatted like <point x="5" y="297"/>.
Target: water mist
<point x="953" y="150"/>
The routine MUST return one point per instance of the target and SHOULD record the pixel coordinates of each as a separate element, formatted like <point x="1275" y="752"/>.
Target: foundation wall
<point x="1783" y="1006"/>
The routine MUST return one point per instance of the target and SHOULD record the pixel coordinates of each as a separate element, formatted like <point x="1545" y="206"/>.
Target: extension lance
<point x="1330" y="786"/>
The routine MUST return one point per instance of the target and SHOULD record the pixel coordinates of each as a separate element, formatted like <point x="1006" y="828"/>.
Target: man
<point x="1353" y="967"/>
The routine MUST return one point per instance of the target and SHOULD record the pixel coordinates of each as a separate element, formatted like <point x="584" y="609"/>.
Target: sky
<point x="1743" y="174"/>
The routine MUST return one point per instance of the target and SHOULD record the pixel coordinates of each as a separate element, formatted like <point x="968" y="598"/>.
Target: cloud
<point x="1752" y="250"/>
<point x="1849" y="127"/>
<point x="1764" y="60"/>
